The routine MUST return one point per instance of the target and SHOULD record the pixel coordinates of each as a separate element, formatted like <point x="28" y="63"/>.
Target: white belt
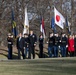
<point x="9" y="43"/>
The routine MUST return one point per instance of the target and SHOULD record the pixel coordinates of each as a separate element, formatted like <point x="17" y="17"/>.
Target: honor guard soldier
<point x="63" y="44"/>
<point x="20" y="46"/>
<point x="26" y="45"/>
<point x="41" y="41"/>
<point x="56" y="44"/>
<point x="10" y="44"/>
<point x="32" y="43"/>
<point x="50" y="44"/>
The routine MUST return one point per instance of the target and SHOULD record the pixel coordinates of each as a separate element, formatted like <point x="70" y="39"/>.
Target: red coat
<point x="71" y="45"/>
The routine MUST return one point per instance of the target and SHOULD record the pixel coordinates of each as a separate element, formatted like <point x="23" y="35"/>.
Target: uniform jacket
<point x="56" y="41"/>
<point x="32" y="39"/>
<point x="10" y="41"/>
<point x="63" y="41"/>
<point x="51" y="41"/>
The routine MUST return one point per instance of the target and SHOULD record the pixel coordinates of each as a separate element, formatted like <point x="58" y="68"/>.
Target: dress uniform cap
<point x="9" y="34"/>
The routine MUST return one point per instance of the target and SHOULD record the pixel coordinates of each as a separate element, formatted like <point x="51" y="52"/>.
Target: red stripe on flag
<point x="43" y="27"/>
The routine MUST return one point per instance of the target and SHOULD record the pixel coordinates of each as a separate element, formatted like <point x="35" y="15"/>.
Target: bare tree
<point x="36" y="10"/>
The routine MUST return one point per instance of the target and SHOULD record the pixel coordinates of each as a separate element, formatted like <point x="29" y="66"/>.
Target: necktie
<point x="19" y="38"/>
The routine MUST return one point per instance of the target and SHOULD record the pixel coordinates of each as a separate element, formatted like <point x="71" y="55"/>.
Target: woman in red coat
<point x="71" y="45"/>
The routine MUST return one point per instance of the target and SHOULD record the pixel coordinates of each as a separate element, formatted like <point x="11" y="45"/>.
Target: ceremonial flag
<point x="42" y="27"/>
<point x="26" y="23"/>
<point x="66" y="22"/>
<point x="59" y="19"/>
<point x="14" y="30"/>
<point x="68" y="26"/>
<point x="53" y="24"/>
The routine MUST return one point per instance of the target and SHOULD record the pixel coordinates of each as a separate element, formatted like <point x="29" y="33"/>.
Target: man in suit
<point x="20" y="46"/>
<point x="32" y="43"/>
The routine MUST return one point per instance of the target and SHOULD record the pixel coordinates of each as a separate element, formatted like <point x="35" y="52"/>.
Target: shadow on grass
<point x="4" y="54"/>
<point x="3" y="50"/>
<point x="14" y="56"/>
<point x="45" y="54"/>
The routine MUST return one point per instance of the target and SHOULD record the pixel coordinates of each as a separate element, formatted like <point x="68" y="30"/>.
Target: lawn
<point x="49" y="66"/>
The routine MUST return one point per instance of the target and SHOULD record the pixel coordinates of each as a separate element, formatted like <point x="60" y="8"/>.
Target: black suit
<point x="32" y="41"/>
<point x="20" y="47"/>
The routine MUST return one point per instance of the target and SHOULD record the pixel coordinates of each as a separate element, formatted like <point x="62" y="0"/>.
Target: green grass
<point x="59" y="66"/>
<point x="48" y="66"/>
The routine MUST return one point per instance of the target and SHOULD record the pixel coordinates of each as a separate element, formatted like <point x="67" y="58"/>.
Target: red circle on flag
<point x="57" y="18"/>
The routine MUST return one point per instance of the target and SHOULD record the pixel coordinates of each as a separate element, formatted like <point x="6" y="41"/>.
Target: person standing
<point x="20" y="46"/>
<point x="32" y="43"/>
<point x="10" y="44"/>
<point x="63" y="45"/>
<point x="26" y="44"/>
<point x="71" y="45"/>
<point x="41" y="40"/>
<point x="50" y="44"/>
<point x="56" y="44"/>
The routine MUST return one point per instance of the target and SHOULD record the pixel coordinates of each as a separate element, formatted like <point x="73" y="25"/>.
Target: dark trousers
<point x="50" y="49"/>
<point x="63" y="51"/>
<point x="72" y="54"/>
<point x="22" y="51"/>
<point x="10" y="52"/>
<point x="31" y="50"/>
<point x="41" y="50"/>
<point x="55" y="51"/>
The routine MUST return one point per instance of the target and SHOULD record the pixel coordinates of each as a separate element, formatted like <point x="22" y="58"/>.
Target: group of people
<point x="25" y="45"/>
<point x="61" y="45"/>
<point x="58" y="45"/>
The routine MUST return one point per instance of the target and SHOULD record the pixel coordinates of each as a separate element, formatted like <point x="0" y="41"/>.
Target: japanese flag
<point x="59" y="19"/>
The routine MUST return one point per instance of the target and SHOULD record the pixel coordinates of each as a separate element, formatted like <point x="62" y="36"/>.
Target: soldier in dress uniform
<point x="63" y="44"/>
<point x="10" y="44"/>
<point x="50" y="44"/>
<point x="56" y="44"/>
<point x="32" y="43"/>
<point x="41" y="41"/>
<point x="20" y="46"/>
